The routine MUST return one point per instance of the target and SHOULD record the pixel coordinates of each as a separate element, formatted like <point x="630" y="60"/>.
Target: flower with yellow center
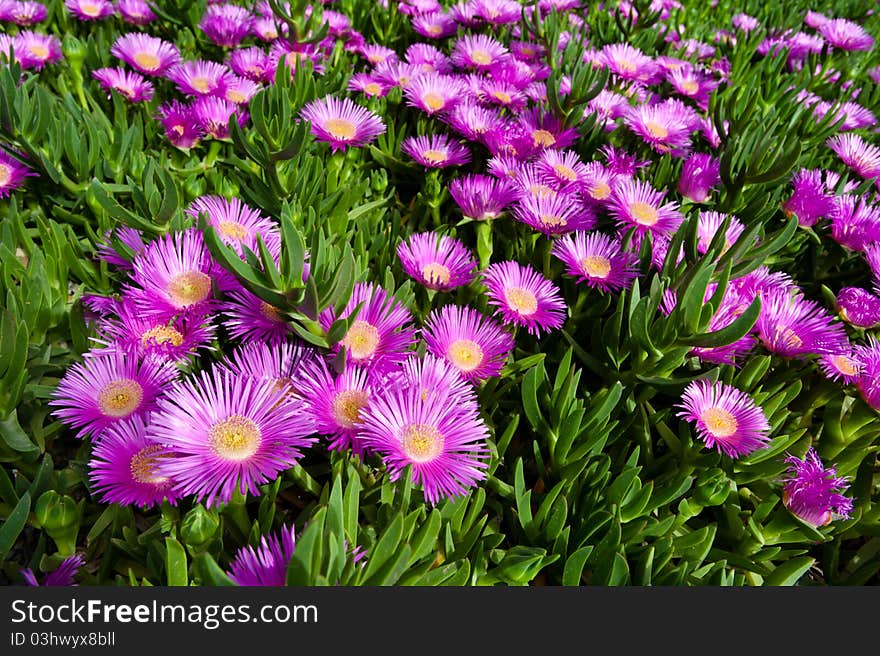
<point x="162" y="335"/>
<point x="235" y="438"/>
<point x="465" y="354"/>
<point x="481" y="57"/>
<point x="361" y="340"/>
<point x="340" y="129"/>
<point x="435" y="156"/>
<point x="719" y="422"/>
<point x="5" y="175"/>
<point x="119" y="398"/>
<point x="596" y="266"/>
<point x="421" y="442"/>
<point x="186" y="289"/>
<point x="643" y="213"/>
<point x="38" y="50"/>
<point x="433" y="101"/>
<point x="347" y="407"/>
<point x="436" y="273"/>
<point x="144" y="466"/>
<point x="521" y="300"/>
<point x="656" y="130"/>
<point x="543" y="137"/>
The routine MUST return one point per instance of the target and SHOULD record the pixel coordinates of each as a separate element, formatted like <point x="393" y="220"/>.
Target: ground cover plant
<point x="551" y="292"/>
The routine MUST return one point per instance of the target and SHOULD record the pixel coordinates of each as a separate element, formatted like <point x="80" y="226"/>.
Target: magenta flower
<point x="182" y="128"/>
<point x="861" y="157"/>
<point x="198" y="78"/>
<point x="129" y="84"/>
<point x="443" y="439"/>
<point x="130" y="238"/>
<point x="436" y="151"/>
<point x="23" y="13"/>
<point x="278" y="366"/>
<point x="630" y="63"/>
<point x="662" y="126"/>
<point x="845" y="35"/>
<point x="223" y="433"/>
<point x="35" y="50"/>
<point x="637" y="205"/>
<point x="369" y="85"/>
<point x="249" y="318"/>
<point x="239" y="90"/>
<point x="555" y="214"/>
<point x="123" y="468"/>
<point x="725" y="418"/>
<point x="858" y="307"/>
<point x="708" y="225"/>
<point x="342" y="123"/>
<point x="236" y="224"/>
<point x="226" y="24"/>
<point x="700" y="173"/>
<point x="809" y="200"/>
<point x="63" y="575"/>
<point x="135" y="12"/>
<point x="433" y="93"/>
<point x="12" y="173"/>
<point x="146" y="54"/>
<point x="868" y="382"/>
<point x="481" y="197"/>
<point x="597" y="260"/>
<point x="477" y="51"/>
<point x="213" y="115"/>
<point x="107" y="388"/>
<point x="474" y="344"/>
<point x="267" y="564"/>
<point x="252" y="63"/>
<point x="434" y="25"/>
<point x="382" y="333"/>
<point x="89" y="10"/>
<point x="841" y="366"/>
<point x="438" y="262"/>
<point x="523" y="297"/>
<point x="814" y="493"/>
<point x="792" y="326"/>
<point x="562" y="168"/>
<point x="855" y="223"/>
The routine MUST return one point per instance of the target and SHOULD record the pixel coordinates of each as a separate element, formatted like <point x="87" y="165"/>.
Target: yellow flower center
<point x="551" y="220"/>
<point x="433" y="101"/>
<point x="435" y="156"/>
<point x="189" y="288"/>
<point x="162" y="335"/>
<point x="339" y="128"/>
<point x="347" y="407"/>
<point x="373" y="88"/>
<point x="481" y="57"/>
<point x="147" y="61"/>
<point x="599" y="191"/>
<point x="235" y="438"/>
<point x="719" y="422"/>
<point x="521" y="300"/>
<point x="178" y="130"/>
<point x="90" y="9"/>
<point x="361" y="340"/>
<point x="233" y="230"/>
<point x="690" y="87"/>
<point x="626" y="65"/>
<point x="501" y="96"/>
<point x="434" y="30"/>
<point x="436" y="273"/>
<point x="542" y="191"/>
<point x="201" y="84"/>
<point x="38" y="50"/>
<point x="120" y="398"/>
<point x="465" y="354"/>
<point x="5" y="175"/>
<point x="643" y="213"/>
<point x="270" y="312"/>
<point x="236" y="96"/>
<point x="596" y="266"/>
<point x="565" y="172"/>
<point x="845" y="365"/>
<point x="543" y="138"/>
<point x="143" y="466"/>
<point x="422" y="442"/>
<point x="656" y="130"/>
<point x="789" y="337"/>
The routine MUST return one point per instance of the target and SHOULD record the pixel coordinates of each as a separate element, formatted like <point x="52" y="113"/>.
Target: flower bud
<point x="59" y="517"/>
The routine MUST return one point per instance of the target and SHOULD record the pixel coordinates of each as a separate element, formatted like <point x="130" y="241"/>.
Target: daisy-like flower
<point x="176" y="274"/>
<point x="436" y="151"/>
<point x="472" y="121"/>
<point x="199" y="77"/>
<point x="708" y="225"/>
<point x="791" y="326"/>
<point x="841" y="366"/>
<point x="545" y="130"/>
<point x="63" y="575"/>
<point x="396" y="73"/>
<point x="123" y="468"/>
<point x="438" y="262"/>
<point x="12" y="173"/>
<point x="477" y="51"/>
<point x="636" y="204"/>
<point x="499" y="92"/>
<point x="150" y="336"/>
<point x="700" y="173"/>
<point x="726" y="418"/>
<point x="814" y="493"/>
<point x="337" y="403"/>
<point x="434" y="376"/>
<point x="236" y="224"/>
<point x="226" y="24"/>
<point x="474" y="344"/>
<point x="89" y="10"/>
<point x="630" y="63"/>
<point x="434" y="92"/>
<point x="861" y="157"/>
<point x="745" y="22"/>
<point x="868" y="382"/>
<point x="266" y="565"/>
<point x="249" y="318"/>
<point x="213" y="115"/>
<point x="147" y="54"/>
<point x="497" y="12"/>
<point x="381" y="335"/>
<point x="434" y="25"/>
<point x="443" y="440"/>
<point x="562" y="168"/>
<point x="342" y="123"/>
<point x="135" y="12"/>
<point x="597" y="260"/>
<point x="660" y="126"/>
<point x="23" y="13"/>
<point x="131" y="85"/>
<point x="858" y="307"/>
<point x="855" y="223"/>
<point x="845" y="35"/>
<point x="554" y="214"/>
<point x="481" y="197"/>
<point x="108" y="388"/>
<point x="598" y="183"/>
<point x="369" y="85"/>
<point x="238" y="90"/>
<point x="376" y="54"/>
<point x="180" y="124"/>
<point x="279" y="366"/>
<point x="523" y="297"/>
<point x="809" y="200"/>
<point x="35" y="50"/>
<point x="226" y="433"/>
<point x="252" y="63"/>
<point x="430" y="58"/>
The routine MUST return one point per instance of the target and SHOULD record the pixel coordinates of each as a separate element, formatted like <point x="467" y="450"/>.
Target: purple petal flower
<point x="814" y="493"/>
